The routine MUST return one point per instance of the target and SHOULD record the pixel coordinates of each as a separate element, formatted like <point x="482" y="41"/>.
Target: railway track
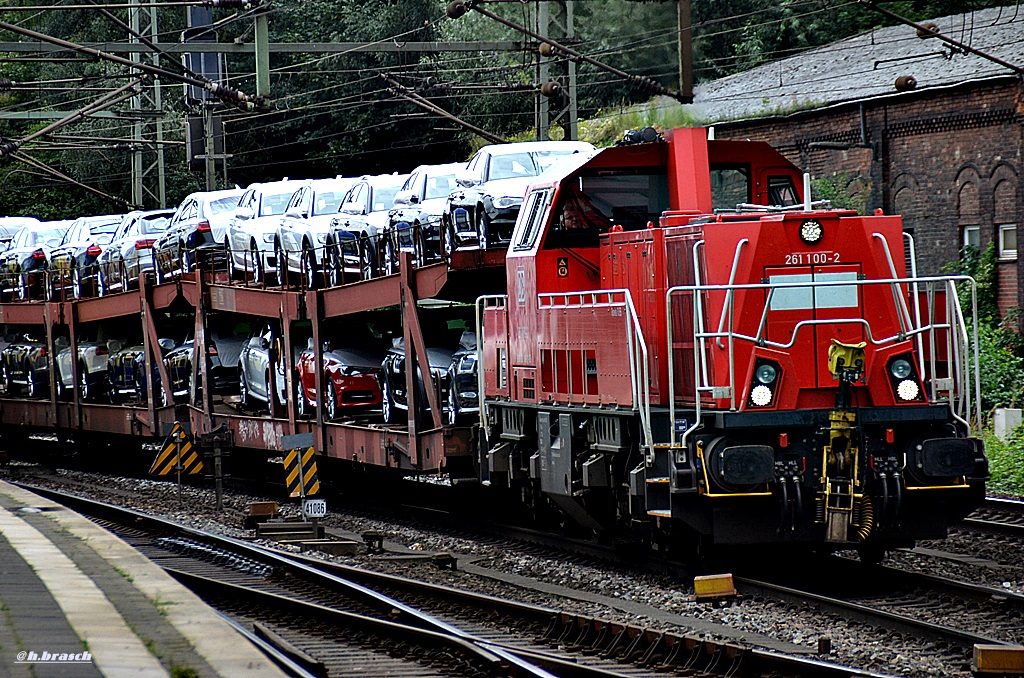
<point x="305" y="606"/>
<point x="1000" y="516"/>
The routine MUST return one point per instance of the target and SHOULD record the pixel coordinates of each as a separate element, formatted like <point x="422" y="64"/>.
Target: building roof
<point x="866" y="66"/>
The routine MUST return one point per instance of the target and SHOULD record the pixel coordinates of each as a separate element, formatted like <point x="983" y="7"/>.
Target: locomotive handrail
<point x="727" y="305"/>
<point x="955" y="326"/>
<point x="480" y="304"/>
<point x="916" y="298"/>
<point x="904" y="314"/>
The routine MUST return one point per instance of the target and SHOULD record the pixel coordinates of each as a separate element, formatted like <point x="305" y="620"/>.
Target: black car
<point x="24" y="366"/>
<point x="74" y="262"/>
<point x="224" y="337"/>
<point x="395" y="401"/>
<point x="126" y="374"/>
<point x="483" y="208"/>
<point x="414" y="225"/>
<point x="462" y="402"/>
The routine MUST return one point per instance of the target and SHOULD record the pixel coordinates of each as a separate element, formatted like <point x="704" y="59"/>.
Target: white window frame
<point x="976" y="231"/>
<point x="1005" y="253"/>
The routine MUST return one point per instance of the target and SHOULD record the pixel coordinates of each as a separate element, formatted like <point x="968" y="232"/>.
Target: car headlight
<point x="506" y="202"/>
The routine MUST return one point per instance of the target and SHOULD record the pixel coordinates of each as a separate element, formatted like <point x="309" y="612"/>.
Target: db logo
<point x="563" y="267"/>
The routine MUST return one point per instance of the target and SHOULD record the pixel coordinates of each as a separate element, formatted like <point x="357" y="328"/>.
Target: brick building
<point x="946" y="155"/>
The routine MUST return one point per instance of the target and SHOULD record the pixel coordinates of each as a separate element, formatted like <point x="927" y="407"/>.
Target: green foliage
<point x="1005" y="463"/>
<point x="835" y="190"/>
<point x="1000" y="367"/>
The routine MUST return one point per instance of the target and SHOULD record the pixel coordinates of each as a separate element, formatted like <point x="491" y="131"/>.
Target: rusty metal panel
<point x="384" y="447"/>
<point x="465" y="260"/>
<point x="368" y="295"/>
<point x="252" y="301"/>
<point x="26" y="412"/>
<point x="112" y="306"/>
<point x="25" y="313"/>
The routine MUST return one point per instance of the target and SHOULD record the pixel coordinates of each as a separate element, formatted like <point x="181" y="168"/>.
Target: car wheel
<point x="390" y="258"/>
<point x="76" y="282"/>
<point x="270" y="399"/>
<point x="188" y="262"/>
<point x="301" y="404"/>
<point x="61" y="389"/>
<point x="84" y="387"/>
<point x="330" y="398"/>
<point x="232" y="269"/>
<point x="256" y="262"/>
<point x="447" y="238"/>
<point x="6" y="378"/>
<point x="388" y="404"/>
<point x="112" y="394"/>
<point x="32" y="386"/>
<point x="308" y="266"/>
<point x="333" y="271"/>
<point x="483" y="224"/>
<point x="243" y="391"/>
<point x="367" y="265"/>
<point x="139" y="386"/>
<point x="281" y="257"/>
<point x="48" y="292"/>
<point x="452" y="409"/>
<point x="24" y="293"/>
<point x="101" y="284"/>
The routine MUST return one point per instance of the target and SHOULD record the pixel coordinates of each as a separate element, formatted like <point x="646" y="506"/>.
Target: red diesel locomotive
<point x="690" y="347"/>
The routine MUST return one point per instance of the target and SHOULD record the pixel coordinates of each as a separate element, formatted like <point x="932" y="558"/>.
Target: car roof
<point x="377" y="180"/>
<point x="534" y="146"/>
<point x="446" y="168"/>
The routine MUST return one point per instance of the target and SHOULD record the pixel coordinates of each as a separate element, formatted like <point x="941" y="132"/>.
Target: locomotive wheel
<point x="482" y="225"/>
<point x="330" y="398"/>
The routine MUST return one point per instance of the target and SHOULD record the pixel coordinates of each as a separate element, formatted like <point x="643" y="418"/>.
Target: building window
<point x="1007" y="241"/>
<point x="972" y="237"/>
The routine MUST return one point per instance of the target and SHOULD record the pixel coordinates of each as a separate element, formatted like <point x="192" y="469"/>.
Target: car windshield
<point x="155" y="223"/>
<point x="274" y="204"/>
<point x="327" y="202"/>
<point x="384" y="198"/>
<point x="223" y="204"/>
<point x="440" y="186"/>
<point x="530" y="164"/>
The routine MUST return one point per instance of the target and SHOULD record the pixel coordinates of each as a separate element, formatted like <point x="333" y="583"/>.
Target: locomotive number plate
<point x="807" y="258"/>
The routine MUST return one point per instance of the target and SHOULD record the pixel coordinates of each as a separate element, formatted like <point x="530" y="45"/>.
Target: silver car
<point x="253" y="228"/>
<point x="92" y="369"/>
<point x="129" y="255"/>
<point x="302" y="233"/>
<point x="363" y="216"/>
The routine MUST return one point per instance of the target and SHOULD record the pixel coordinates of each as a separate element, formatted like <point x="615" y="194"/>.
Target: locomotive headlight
<point x="760" y="395"/>
<point x="766" y="373"/>
<point x="811" y="232"/>
<point x="908" y="390"/>
<point x="900" y="368"/>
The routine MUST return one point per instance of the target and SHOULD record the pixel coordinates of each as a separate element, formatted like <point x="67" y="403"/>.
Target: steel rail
<point x="635" y="644"/>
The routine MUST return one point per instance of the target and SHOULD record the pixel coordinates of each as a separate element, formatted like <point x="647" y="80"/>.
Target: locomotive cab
<point x="689" y="345"/>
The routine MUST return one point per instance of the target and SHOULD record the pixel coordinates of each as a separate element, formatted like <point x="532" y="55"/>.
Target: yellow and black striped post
<point x="177" y="453"/>
<point x="300" y="473"/>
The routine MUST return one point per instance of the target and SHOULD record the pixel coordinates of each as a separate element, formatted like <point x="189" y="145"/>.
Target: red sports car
<point x="350" y="380"/>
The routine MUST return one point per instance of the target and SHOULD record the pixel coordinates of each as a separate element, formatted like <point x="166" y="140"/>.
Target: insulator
<point x="928" y="30"/>
<point x="5" y="85"/>
<point x="546" y="49"/>
<point x="456" y="9"/>
<point x="551" y="89"/>
<point x="905" y="83"/>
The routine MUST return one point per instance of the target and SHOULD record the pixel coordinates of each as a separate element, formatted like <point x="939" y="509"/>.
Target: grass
<point x="1004" y="463"/>
<point x="183" y="672"/>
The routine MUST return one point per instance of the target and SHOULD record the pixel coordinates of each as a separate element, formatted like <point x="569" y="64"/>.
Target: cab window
<point x="781" y="192"/>
<point x="730" y="186"/>
<point x="532" y="217"/>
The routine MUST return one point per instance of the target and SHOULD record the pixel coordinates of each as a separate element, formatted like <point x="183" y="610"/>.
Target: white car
<point x="360" y="222"/>
<point x="414" y="225"/>
<point x="302" y="233"/>
<point x="253" y="228"/>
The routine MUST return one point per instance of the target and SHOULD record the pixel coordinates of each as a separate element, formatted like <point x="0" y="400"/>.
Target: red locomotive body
<point x="687" y="345"/>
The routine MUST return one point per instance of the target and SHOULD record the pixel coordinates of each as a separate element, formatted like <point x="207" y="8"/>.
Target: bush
<point x="1004" y="463"/>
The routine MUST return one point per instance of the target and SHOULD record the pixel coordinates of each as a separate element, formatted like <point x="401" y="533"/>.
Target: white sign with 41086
<point x="314" y="508"/>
